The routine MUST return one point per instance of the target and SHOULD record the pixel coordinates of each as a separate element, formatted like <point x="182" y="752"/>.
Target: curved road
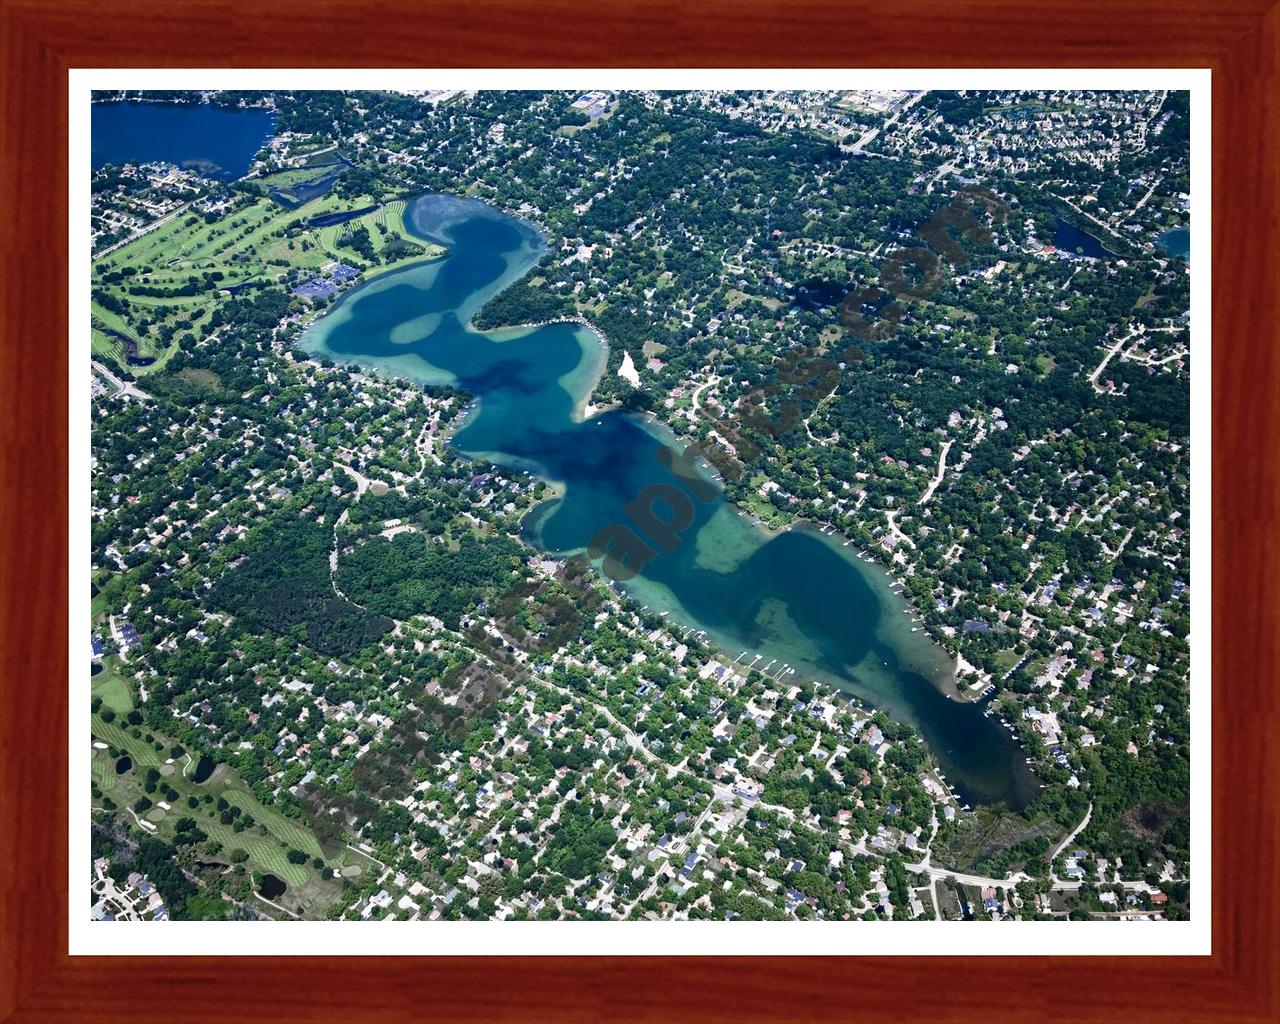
<point x="125" y="388"/>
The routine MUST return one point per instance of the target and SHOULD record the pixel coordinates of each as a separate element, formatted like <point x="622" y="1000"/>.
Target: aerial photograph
<point x="610" y="505"/>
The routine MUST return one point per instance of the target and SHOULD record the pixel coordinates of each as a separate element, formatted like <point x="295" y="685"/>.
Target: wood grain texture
<point x="39" y="41"/>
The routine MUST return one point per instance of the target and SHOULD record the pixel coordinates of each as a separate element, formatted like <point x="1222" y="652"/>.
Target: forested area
<point x="283" y="587"/>
<point x="524" y="302"/>
<point x="410" y="575"/>
<point x="582" y="838"/>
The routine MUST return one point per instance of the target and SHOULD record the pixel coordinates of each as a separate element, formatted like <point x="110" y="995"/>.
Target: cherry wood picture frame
<point x="41" y="39"/>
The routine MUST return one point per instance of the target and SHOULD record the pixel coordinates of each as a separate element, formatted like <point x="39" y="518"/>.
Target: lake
<point x="216" y="141"/>
<point x="1069" y="238"/>
<point x="1175" y="241"/>
<point x="797" y="599"/>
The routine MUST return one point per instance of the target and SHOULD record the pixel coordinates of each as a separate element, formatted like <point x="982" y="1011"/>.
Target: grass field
<point x="206" y="379"/>
<point x="142" y="752"/>
<point x="1005" y="660"/>
<point x="249" y="244"/>
<point x="267" y="841"/>
<point x="103" y="345"/>
<point x="265" y="852"/>
<point x="286" y="829"/>
<point x="103" y="766"/>
<point x="385" y="225"/>
<point x="112" y="687"/>
<point x="260" y="242"/>
<point x="293" y="176"/>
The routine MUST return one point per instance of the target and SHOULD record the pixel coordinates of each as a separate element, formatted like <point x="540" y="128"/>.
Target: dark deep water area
<point x="217" y="141"/>
<point x="1069" y="238"/>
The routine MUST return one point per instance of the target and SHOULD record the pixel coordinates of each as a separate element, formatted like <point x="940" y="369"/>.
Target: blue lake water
<point x="217" y="141"/>
<point x="1175" y="241"/>
<point x="1068" y="237"/>
<point x="798" y="598"/>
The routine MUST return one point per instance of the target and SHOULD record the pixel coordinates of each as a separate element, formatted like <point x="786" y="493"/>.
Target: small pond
<point x="1175" y="241"/>
<point x="325" y="220"/>
<point x="272" y="887"/>
<point x="1069" y="238"/>
<point x="204" y="768"/>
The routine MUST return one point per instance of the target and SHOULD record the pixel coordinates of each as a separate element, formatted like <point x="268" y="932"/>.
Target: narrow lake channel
<point x="798" y="598"/>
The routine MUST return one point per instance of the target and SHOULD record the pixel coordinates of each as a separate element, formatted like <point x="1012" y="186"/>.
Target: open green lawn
<point x="121" y="737"/>
<point x="286" y="829"/>
<point x="103" y="341"/>
<point x="293" y="176"/>
<point x="103" y="766"/>
<point x="108" y="583"/>
<point x="261" y="242"/>
<point x="103" y="345"/>
<point x="267" y="841"/>
<point x="205" y="379"/>
<point x="1005" y="660"/>
<point x="112" y="687"/>
<point x="385" y="225"/>
<point x="265" y="852"/>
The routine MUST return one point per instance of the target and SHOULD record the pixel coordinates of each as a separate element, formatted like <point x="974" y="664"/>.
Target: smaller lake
<point x="204" y="768"/>
<point x="325" y="220"/>
<point x="272" y="887"/>
<point x="124" y="764"/>
<point x="303" y="192"/>
<point x="129" y="347"/>
<point x="817" y="293"/>
<point x="215" y="141"/>
<point x="1069" y="238"/>
<point x="1175" y="241"/>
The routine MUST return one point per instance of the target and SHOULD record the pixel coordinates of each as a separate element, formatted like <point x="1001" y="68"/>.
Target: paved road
<point x="1088" y="815"/>
<point x="144" y="230"/>
<point x="923" y="867"/>
<point x="938" y="477"/>
<point x="870" y="136"/>
<point x="1124" y="339"/>
<point x="123" y="387"/>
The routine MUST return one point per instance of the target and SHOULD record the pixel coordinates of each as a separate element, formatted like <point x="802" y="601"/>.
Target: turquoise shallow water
<point x="797" y="599"/>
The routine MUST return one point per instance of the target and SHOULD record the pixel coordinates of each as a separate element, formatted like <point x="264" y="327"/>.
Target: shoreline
<point x="957" y="686"/>
<point x="901" y="628"/>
